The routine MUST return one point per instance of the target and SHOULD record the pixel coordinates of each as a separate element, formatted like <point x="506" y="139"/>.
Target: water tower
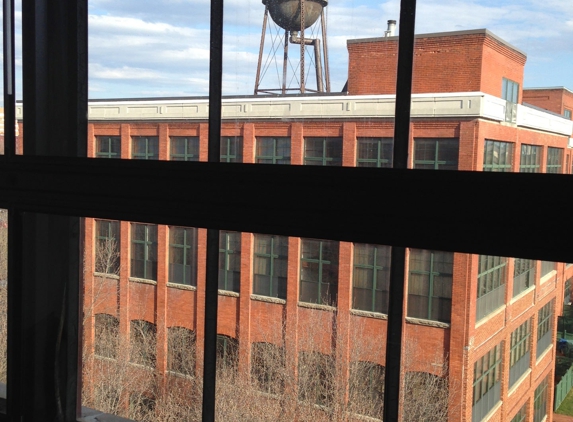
<point x="291" y="19"/>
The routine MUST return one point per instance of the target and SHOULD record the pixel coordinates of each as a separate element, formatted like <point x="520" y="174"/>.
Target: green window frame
<point x="554" y="160"/>
<point x="530" y="160"/>
<point x="230" y="261"/>
<point x="436" y="154"/>
<point x="323" y="151"/>
<point x="520" y="351"/>
<point x="227" y="352"/>
<point x="523" y="274"/>
<point x="181" y="350"/>
<point x="270" y="265"/>
<point x="497" y="156"/>
<point x="183" y="255"/>
<point x="268" y="363"/>
<point x="144" y="251"/>
<point x="108" y="147"/>
<point x="544" y="328"/>
<point x="273" y="150"/>
<point x="145" y="148"/>
<point x="487" y="383"/>
<point x="184" y="148"/>
<point x="491" y="281"/>
<point x="430" y="285"/>
<point x="319" y="271"/>
<point x="521" y="415"/>
<point x="509" y="90"/>
<point x="231" y="149"/>
<point x="371" y="277"/>
<point x="143" y="342"/>
<point x="540" y="400"/>
<point x="374" y="152"/>
<point x="107" y="247"/>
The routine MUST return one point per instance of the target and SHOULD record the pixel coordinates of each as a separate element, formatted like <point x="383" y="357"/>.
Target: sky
<point x="142" y="48"/>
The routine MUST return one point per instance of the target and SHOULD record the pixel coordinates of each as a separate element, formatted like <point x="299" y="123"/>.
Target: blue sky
<point x="160" y="48"/>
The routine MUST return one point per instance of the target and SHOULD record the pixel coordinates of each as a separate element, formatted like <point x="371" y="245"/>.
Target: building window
<point x="491" y="284"/>
<point x="181" y="350"/>
<point x="270" y="265"/>
<point x="520" y="416"/>
<point x="544" y="328"/>
<point x="144" y="251"/>
<point x="497" y="156"/>
<point x="230" y="261"/>
<point x="366" y="389"/>
<point x="145" y="148"/>
<point x="316" y="376"/>
<point x="183" y="255"/>
<point x="184" y="148"/>
<point x="143" y="342"/>
<point x="319" y="271"/>
<point x="540" y="401"/>
<point x="323" y="151"/>
<point x="371" y="280"/>
<point x="106" y="336"/>
<point x="273" y="150"/>
<point x="554" y="159"/>
<point x="268" y="367"/>
<point x="430" y="285"/>
<point x="108" y="147"/>
<point x="107" y="247"/>
<point x="232" y="149"/>
<point x="509" y="90"/>
<point x="523" y="275"/>
<point x="530" y="159"/>
<point x="567" y="114"/>
<point x="487" y="385"/>
<point x="519" y="354"/>
<point x="227" y="353"/>
<point x="546" y="268"/>
<point x="374" y="152"/>
<point x="436" y="154"/>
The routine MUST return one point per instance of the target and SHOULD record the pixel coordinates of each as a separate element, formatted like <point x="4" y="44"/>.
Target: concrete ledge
<point x="181" y="286"/>
<point x="317" y="306"/>
<point x="104" y="275"/>
<point x="228" y="293"/>
<point x="368" y="314"/>
<point x="143" y="281"/>
<point x="268" y="299"/>
<point x="427" y="322"/>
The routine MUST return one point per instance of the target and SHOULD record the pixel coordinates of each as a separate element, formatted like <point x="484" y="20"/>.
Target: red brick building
<point x="490" y="320"/>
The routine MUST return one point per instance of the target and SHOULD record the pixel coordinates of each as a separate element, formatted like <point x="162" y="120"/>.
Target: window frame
<point x="381" y="161"/>
<point x="186" y="155"/>
<point x="228" y="253"/>
<point x="490" y="148"/>
<point x="226" y="155"/>
<point x="332" y="285"/>
<point x="274" y="283"/>
<point x="191" y="247"/>
<point x="149" y="244"/>
<point x="151" y="148"/>
<point x="110" y="140"/>
<point x="275" y="157"/>
<point x="375" y="269"/>
<point x="436" y="162"/>
<point x="325" y="159"/>
<point x="531" y="155"/>
<point x="492" y="281"/>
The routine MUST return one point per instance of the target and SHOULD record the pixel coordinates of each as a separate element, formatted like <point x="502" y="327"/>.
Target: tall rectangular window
<point x="268" y="367"/>
<point x="540" y="401"/>
<point x="492" y="272"/>
<point x="497" y="156"/>
<point x="145" y="148"/>
<point x="108" y="147"/>
<point x="144" y="251"/>
<point x="430" y="285"/>
<point x="520" y="416"/>
<point x="567" y="114"/>
<point x="232" y="149"/>
<point x="509" y="90"/>
<point x="487" y="385"/>
<point x="554" y="160"/>
<point x="273" y="150"/>
<point x="181" y="351"/>
<point x="323" y="151"/>
<point x="107" y="247"/>
<point x="184" y="148"/>
<point x="544" y="328"/>
<point x="523" y="274"/>
<point x="530" y="161"/>
<point x="142" y="335"/>
<point x="436" y="154"/>
<point x="519" y="354"/>
<point x="183" y="255"/>
<point x="371" y="279"/>
<point x="270" y="265"/>
<point x="319" y="271"/>
<point x="227" y="352"/>
<point x="230" y="261"/>
<point x="374" y="152"/>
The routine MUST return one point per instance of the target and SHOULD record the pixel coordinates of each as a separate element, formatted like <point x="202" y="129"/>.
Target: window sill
<point x="142" y="366"/>
<point x="105" y="275"/>
<point x="181" y="286"/>
<point x="179" y="375"/>
<point x="513" y="388"/>
<point x="538" y="358"/>
<point x="427" y="322"/>
<point x="317" y="306"/>
<point x="228" y="293"/>
<point x="548" y="276"/>
<point x="490" y="316"/>
<point x="268" y="299"/>
<point x="521" y="294"/>
<point x="143" y="281"/>
<point x="100" y="357"/>
<point x="368" y="314"/>
<point x="492" y="411"/>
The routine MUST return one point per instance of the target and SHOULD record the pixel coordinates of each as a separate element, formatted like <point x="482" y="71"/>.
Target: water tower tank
<point x="286" y="13"/>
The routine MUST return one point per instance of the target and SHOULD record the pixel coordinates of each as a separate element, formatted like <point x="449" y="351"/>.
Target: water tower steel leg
<point x="258" y="80"/>
<point x="318" y="65"/>
<point x="325" y="51"/>
<point x="302" y="45"/>
<point x="285" y="62"/>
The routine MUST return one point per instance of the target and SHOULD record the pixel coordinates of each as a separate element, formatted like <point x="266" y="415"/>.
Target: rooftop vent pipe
<point x="391" y="31"/>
